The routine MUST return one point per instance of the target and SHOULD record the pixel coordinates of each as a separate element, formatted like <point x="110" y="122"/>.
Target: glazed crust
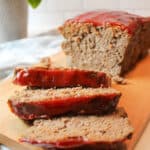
<point x="105" y="18"/>
<point x="60" y="78"/>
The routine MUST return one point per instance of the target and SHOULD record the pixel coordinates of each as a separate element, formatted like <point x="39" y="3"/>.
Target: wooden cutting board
<point x="135" y="98"/>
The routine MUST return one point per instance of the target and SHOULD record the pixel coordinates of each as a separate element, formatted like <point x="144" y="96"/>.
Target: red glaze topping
<point x="98" y="104"/>
<point x="48" y="78"/>
<point x="125" y="20"/>
<point x="71" y="142"/>
<point x="75" y="143"/>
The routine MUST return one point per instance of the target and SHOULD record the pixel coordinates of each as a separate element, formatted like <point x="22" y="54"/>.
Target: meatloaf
<point x="60" y="77"/>
<point x="104" y="40"/>
<point x="44" y="103"/>
<point x="74" y="131"/>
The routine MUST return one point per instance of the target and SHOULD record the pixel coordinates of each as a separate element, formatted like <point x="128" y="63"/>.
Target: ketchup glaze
<point x="125" y="20"/>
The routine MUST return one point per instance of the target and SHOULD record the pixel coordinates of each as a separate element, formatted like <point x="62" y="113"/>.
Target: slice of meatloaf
<point x="74" y="131"/>
<point x="103" y="40"/>
<point x="60" y="77"/>
<point x="32" y="104"/>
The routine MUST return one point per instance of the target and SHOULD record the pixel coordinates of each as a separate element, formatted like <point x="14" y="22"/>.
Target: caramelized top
<point x="125" y="20"/>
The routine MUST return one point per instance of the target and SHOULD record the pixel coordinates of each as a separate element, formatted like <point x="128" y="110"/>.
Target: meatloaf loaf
<point x="40" y="103"/>
<point x="60" y="77"/>
<point x="74" y="131"/>
<point x="104" y="40"/>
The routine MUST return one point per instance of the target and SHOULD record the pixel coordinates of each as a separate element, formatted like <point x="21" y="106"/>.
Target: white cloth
<point x="26" y="52"/>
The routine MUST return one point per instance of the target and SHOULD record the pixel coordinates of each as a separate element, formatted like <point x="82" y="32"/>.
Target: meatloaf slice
<point x="32" y="104"/>
<point x="60" y="77"/>
<point x="104" y="40"/>
<point x="74" y="131"/>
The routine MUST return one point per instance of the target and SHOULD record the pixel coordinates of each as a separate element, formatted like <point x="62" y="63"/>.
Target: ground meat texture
<point x="76" y="131"/>
<point x="109" y="41"/>
<point x="60" y="78"/>
<point x="40" y="103"/>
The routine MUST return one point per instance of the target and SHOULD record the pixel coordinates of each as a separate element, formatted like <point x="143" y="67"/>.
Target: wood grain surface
<point x="135" y="98"/>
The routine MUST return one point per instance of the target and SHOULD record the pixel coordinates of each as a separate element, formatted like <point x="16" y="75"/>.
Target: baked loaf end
<point x="80" y="130"/>
<point x="103" y="40"/>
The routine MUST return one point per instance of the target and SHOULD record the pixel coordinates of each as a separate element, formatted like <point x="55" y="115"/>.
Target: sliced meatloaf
<point x="74" y="131"/>
<point x="104" y="40"/>
<point x="60" y="77"/>
<point x="32" y="104"/>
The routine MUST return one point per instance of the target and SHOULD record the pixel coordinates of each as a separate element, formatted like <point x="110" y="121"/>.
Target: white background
<point x="52" y="13"/>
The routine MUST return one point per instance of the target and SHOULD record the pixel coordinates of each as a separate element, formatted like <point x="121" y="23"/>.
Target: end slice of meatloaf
<point x="32" y="104"/>
<point x="75" y="131"/>
<point x="104" y="40"/>
<point x="60" y="77"/>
